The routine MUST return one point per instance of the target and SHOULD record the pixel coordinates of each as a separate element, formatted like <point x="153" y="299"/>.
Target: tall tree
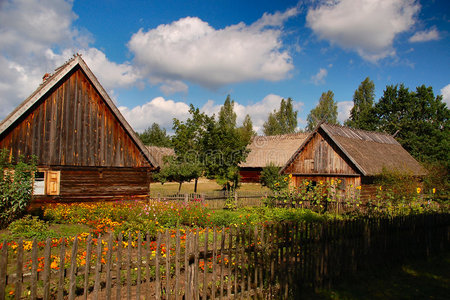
<point x="224" y="148"/>
<point x="156" y="136"/>
<point x="362" y="115"/>
<point x="246" y="131"/>
<point x="281" y="121"/>
<point x="418" y="119"/>
<point x="326" y="111"/>
<point x="188" y="146"/>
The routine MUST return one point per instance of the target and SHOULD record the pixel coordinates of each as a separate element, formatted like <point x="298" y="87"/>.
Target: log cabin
<point x="276" y="149"/>
<point x="85" y="149"/>
<point x="353" y="156"/>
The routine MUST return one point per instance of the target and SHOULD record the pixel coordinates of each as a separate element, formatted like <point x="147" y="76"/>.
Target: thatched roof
<point x="158" y="154"/>
<point x="275" y="149"/>
<point x="369" y="151"/>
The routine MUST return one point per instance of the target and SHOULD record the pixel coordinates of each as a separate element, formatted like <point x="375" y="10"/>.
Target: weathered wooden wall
<point x="250" y="174"/>
<point x="94" y="184"/>
<point x="320" y="156"/>
<point x="73" y="126"/>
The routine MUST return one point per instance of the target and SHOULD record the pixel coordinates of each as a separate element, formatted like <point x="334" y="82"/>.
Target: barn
<point x="353" y="156"/>
<point x="85" y="149"/>
<point x="276" y="149"/>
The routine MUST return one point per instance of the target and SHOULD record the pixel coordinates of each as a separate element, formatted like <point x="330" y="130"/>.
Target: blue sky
<point x="156" y="57"/>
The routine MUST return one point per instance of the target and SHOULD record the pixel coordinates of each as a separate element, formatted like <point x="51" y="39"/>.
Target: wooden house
<point x="276" y="149"/>
<point x="351" y="155"/>
<point x="85" y="149"/>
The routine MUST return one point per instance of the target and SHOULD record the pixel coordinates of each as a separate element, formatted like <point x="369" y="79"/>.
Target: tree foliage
<point x="180" y="171"/>
<point x="246" y="130"/>
<point x="326" y="111"/>
<point x="418" y="119"/>
<point x="271" y="177"/>
<point x="156" y="136"/>
<point x="224" y="148"/>
<point x="16" y="186"/>
<point x="281" y="121"/>
<point x="361" y="114"/>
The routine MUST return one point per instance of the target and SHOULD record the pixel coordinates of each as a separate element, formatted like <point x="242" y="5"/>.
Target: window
<point x="39" y="183"/>
<point x="46" y="182"/>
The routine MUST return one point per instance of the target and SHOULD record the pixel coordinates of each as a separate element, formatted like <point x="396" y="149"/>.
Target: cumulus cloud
<point x="157" y="110"/>
<point x="344" y="108"/>
<point x="191" y="50"/>
<point x="31" y="31"/>
<point x="445" y="92"/>
<point x="425" y="36"/>
<point x="319" y="78"/>
<point x="366" y="26"/>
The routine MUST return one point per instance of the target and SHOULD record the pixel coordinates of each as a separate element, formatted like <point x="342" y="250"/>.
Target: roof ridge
<point x="358" y="129"/>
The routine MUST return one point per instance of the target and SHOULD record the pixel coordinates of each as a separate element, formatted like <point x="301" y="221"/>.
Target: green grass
<point x="204" y="186"/>
<point x="424" y="279"/>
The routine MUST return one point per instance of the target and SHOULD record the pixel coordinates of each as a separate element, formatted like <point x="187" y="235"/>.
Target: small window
<point x="39" y="183"/>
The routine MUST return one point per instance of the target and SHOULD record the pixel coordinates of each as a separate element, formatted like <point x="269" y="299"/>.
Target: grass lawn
<point x="204" y="186"/>
<point x="425" y="279"/>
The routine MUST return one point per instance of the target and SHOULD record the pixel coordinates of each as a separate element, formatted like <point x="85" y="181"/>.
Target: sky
<point x="155" y="58"/>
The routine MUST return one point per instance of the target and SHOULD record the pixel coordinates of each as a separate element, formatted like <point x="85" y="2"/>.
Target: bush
<point x="30" y="227"/>
<point x="16" y="186"/>
<point x="271" y="178"/>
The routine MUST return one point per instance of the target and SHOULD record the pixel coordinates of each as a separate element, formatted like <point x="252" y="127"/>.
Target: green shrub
<point x="16" y="186"/>
<point x="271" y="178"/>
<point x="30" y="227"/>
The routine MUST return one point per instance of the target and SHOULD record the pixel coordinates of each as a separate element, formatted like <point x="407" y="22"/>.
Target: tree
<point x="156" y="136"/>
<point x="188" y="143"/>
<point x="224" y="148"/>
<point x="179" y="171"/>
<point x="362" y="115"/>
<point x="418" y="119"/>
<point x="282" y="121"/>
<point x="326" y="111"/>
<point x="246" y="131"/>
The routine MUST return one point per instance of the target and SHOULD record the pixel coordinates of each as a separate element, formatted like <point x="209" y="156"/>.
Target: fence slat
<point x="129" y="246"/>
<point x="47" y="269"/>
<point x="87" y="266"/>
<point x="98" y="267"/>
<point x="177" y="266"/>
<point x="138" y="262"/>
<point x="34" y="267"/>
<point x="205" y="264"/>
<point x="214" y="259"/>
<point x="196" y="263"/>
<point x="167" y="264"/>
<point x="186" y="266"/>
<point x="222" y="260"/>
<point x="109" y="265"/>
<point x="119" y="267"/>
<point x="3" y="269"/>
<point x="19" y="270"/>
<point x="73" y="270"/>
<point x="62" y="263"/>
<point x="157" y="269"/>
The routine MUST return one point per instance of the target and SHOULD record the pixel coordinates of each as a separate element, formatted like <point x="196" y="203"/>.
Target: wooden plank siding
<point x="321" y="156"/>
<point x="72" y="126"/>
<point x="93" y="184"/>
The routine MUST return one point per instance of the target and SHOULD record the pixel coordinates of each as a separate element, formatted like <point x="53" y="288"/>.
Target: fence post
<point x="3" y="269"/>
<point x="236" y="198"/>
<point x="186" y="198"/>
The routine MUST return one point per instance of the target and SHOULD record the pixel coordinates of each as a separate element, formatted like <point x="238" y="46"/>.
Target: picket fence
<point x="273" y="261"/>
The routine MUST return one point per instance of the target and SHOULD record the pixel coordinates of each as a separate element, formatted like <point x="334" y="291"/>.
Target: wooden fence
<point x="215" y="200"/>
<point x="274" y="261"/>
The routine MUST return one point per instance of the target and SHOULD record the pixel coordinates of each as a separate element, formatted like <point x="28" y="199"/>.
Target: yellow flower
<point x="434" y="190"/>
<point x="358" y="187"/>
<point x="290" y="175"/>
<point x="418" y="190"/>
<point x="332" y="181"/>
<point x="307" y="182"/>
<point x="321" y="182"/>
<point x="381" y="187"/>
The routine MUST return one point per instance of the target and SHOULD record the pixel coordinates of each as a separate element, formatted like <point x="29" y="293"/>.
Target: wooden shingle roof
<point x="369" y="151"/>
<point x="276" y="149"/>
<point x="158" y="154"/>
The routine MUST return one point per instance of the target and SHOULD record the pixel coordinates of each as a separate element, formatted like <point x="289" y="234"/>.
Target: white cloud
<point x="425" y="36"/>
<point x="191" y="50"/>
<point x="366" y="26"/>
<point x="319" y="78"/>
<point x="31" y="31"/>
<point x="158" y="110"/>
<point x="344" y="108"/>
<point x="445" y="92"/>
